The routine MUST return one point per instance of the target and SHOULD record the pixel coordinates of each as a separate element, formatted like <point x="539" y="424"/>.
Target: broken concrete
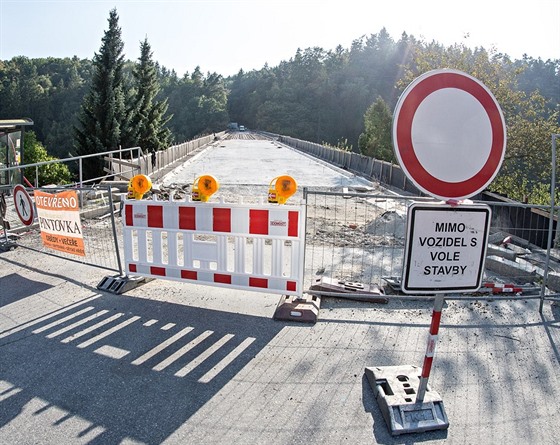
<point x="501" y="252"/>
<point x="553" y="281"/>
<point x="511" y="269"/>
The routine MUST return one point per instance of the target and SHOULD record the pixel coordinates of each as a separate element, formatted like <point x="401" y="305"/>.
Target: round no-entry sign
<point x="24" y="205"/>
<point x="449" y="134"/>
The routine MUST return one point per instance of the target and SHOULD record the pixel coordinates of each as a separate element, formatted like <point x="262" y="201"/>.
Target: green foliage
<point x="321" y="95"/>
<point x="340" y="145"/>
<point x="526" y="169"/>
<point x="48" y="90"/>
<point x="375" y="141"/>
<point x="34" y="152"/>
<point x="103" y="119"/>
<point x="198" y="104"/>
<point x="318" y="95"/>
<point x="147" y="127"/>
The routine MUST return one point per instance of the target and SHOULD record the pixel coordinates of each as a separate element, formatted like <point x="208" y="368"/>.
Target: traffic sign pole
<point x="431" y="348"/>
<point x="449" y="136"/>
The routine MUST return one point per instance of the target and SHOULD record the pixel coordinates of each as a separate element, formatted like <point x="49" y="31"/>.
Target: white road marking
<point x="205" y="355"/>
<point x="78" y="323"/>
<point x="178" y="354"/>
<point x="108" y="332"/>
<point x="46" y="317"/>
<point x="111" y="352"/>
<point x="220" y="366"/>
<point x="148" y="355"/>
<point x="91" y="328"/>
<point x="62" y="320"/>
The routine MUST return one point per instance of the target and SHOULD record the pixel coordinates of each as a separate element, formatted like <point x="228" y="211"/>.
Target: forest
<point x="341" y="97"/>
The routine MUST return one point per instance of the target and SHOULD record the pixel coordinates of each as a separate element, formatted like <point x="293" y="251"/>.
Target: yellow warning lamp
<point x="204" y="186"/>
<point x="138" y="185"/>
<point x="281" y="188"/>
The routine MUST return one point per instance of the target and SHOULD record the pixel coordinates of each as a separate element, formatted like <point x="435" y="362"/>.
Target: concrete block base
<point x="395" y="389"/>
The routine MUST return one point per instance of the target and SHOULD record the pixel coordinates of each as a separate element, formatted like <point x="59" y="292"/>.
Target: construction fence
<point x="531" y="219"/>
<point x="99" y="204"/>
<point x="364" y="166"/>
<point x="358" y="241"/>
<point x="351" y="237"/>
<point x="96" y="229"/>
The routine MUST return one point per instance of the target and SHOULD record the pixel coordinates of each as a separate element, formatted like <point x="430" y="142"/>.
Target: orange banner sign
<point x="59" y="221"/>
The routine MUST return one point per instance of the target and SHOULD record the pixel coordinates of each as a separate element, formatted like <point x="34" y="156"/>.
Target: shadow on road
<point x="142" y="380"/>
<point x="15" y="287"/>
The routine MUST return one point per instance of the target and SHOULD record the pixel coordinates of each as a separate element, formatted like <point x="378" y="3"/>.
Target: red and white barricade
<point x="243" y="246"/>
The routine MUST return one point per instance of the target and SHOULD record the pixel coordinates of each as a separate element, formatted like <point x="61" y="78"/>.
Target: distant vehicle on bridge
<point x="242" y="128"/>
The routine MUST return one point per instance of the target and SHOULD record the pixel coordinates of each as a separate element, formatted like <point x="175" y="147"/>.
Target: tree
<point x="198" y="105"/>
<point x="375" y="141"/>
<point x="148" y="121"/>
<point x="526" y="169"/>
<point x="55" y="173"/>
<point x="103" y="117"/>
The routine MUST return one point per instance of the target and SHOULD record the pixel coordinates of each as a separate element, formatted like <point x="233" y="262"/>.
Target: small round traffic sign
<point x="449" y="134"/>
<point x="24" y="205"/>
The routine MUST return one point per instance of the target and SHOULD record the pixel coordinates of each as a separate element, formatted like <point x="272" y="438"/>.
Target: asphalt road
<point x="177" y="363"/>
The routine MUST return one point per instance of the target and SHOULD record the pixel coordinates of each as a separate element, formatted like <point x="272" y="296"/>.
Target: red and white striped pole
<point x="431" y="348"/>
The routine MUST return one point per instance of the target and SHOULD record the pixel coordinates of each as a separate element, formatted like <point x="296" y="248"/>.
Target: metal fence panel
<point x="361" y="238"/>
<point x="99" y="229"/>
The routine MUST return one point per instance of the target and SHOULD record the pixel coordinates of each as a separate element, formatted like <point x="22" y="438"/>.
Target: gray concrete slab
<point x="248" y="166"/>
<point x="202" y="365"/>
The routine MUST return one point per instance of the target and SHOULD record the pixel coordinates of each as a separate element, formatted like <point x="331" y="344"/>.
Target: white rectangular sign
<point x="445" y="248"/>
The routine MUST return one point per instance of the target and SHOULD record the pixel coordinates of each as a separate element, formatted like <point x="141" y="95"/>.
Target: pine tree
<point x="148" y="121"/>
<point x="103" y="117"/>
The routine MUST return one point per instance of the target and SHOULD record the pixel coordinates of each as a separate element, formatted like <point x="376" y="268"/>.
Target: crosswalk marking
<point x="203" y="356"/>
<point x="111" y="351"/>
<point x="91" y="328"/>
<point x="148" y="355"/>
<point x="108" y="332"/>
<point x="118" y="353"/>
<point x="221" y="365"/>
<point x="62" y="320"/>
<point x="78" y="323"/>
<point x="178" y="354"/>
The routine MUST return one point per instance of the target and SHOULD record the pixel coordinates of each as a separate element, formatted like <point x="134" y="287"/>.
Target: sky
<point x="225" y="36"/>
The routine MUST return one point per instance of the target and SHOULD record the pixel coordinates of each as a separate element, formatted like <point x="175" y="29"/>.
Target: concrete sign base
<point x="293" y="308"/>
<point x="395" y="389"/>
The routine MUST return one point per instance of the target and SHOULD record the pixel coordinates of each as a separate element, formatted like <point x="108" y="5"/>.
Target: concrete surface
<point x="497" y="365"/>
<point x="250" y="165"/>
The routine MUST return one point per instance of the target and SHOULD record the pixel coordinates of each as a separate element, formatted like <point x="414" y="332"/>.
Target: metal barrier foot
<point x="293" y="308"/>
<point x="6" y="246"/>
<point x="395" y="389"/>
<point x="119" y="284"/>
